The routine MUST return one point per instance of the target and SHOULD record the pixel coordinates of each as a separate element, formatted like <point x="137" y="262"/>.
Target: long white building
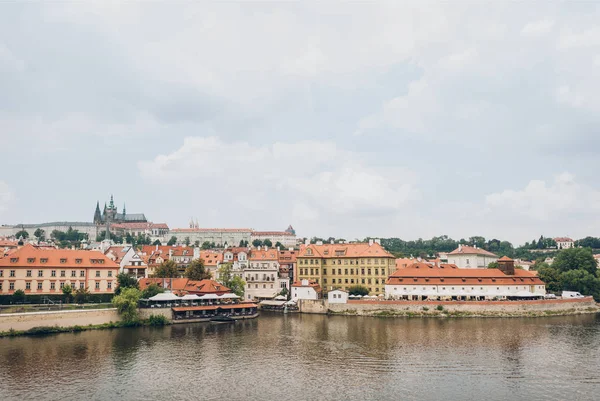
<point x="471" y="257"/>
<point x="220" y="236"/>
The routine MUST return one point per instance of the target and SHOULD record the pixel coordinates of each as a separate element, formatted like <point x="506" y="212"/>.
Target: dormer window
<point x="63" y="260"/>
<point x="78" y="261"/>
<point x="30" y="260"/>
<point x="14" y="260"/>
<point x="43" y="260"/>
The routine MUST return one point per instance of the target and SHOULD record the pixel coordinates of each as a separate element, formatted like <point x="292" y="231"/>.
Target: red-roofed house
<point x="564" y="242"/>
<point x="305" y="289"/>
<point x="471" y="257"/>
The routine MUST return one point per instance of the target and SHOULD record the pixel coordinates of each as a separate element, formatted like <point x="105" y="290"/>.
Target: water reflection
<point x="312" y="357"/>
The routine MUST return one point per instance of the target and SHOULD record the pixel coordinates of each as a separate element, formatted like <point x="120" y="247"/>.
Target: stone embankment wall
<point x="476" y="308"/>
<point x="26" y="321"/>
<point x="146" y="312"/>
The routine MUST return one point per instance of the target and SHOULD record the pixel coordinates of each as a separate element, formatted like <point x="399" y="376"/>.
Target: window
<point x="78" y="261"/>
<point x="97" y="273"/>
<point x="0" y="285"/>
<point x="73" y="273"/>
<point x="43" y="260"/>
<point x="324" y="272"/>
<point x="52" y="285"/>
<point x="30" y="260"/>
<point x="110" y="273"/>
<point x="81" y="286"/>
<point x="39" y="286"/>
<point x="1" y="273"/>
<point x="369" y="272"/>
<point x="362" y="281"/>
<point x="467" y="261"/>
<point x="14" y="260"/>
<point x="97" y="285"/>
<point x="40" y="273"/>
<point x="63" y="260"/>
<point x="324" y="281"/>
<point x="63" y="273"/>
<point x="11" y="286"/>
<point x="53" y="273"/>
<point x="109" y="285"/>
<point x="352" y="271"/>
<point x="376" y="272"/>
<point x="28" y="273"/>
<point x="62" y="285"/>
<point x="82" y="273"/>
<point x="12" y="273"/>
<point x="346" y="281"/>
<point x="346" y="271"/>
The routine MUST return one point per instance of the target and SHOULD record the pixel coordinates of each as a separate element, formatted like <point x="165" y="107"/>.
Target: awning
<point x="272" y="303"/>
<point x="190" y="297"/>
<point x="165" y="296"/>
<point x="209" y="296"/>
<point x="212" y="307"/>
<point x="229" y="296"/>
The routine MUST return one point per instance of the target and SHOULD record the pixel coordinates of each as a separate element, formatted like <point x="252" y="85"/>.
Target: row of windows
<point x="63" y="273"/>
<point x="11" y="285"/>
<point x="463" y="288"/>
<point x="62" y="260"/>
<point x="351" y="281"/>
<point x="264" y="278"/>
<point x="362" y="272"/>
<point x="339" y="261"/>
<point x="263" y="286"/>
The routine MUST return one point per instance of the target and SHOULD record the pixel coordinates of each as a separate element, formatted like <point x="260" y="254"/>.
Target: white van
<point x="571" y="294"/>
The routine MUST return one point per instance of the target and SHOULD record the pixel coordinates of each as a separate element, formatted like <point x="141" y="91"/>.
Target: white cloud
<point x="538" y="28"/>
<point x="541" y="200"/>
<point x="6" y="196"/>
<point x="308" y="179"/>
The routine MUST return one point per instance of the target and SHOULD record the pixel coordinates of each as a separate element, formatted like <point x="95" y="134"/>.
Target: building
<point x="421" y="281"/>
<point x="182" y="286"/>
<point x="288" y="264"/>
<point x="340" y="266"/>
<point x="156" y="231"/>
<point x="262" y="274"/>
<point x="212" y="262"/>
<point x="46" y="271"/>
<point x="286" y="238"/>
<point x="221" y="237"/>
<point x="337" y="297"/>
<point x="564" y="243"/>
<point x="181" y="255"/>
<point x="85" y="228"/>
<point x="129" y="260"/>
<point x="471" y="257"/>
<point x="305" y="289"/>
<point x="111" y="214"/>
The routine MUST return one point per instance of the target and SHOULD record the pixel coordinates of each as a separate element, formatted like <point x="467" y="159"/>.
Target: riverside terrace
<point x="192" y="307"/>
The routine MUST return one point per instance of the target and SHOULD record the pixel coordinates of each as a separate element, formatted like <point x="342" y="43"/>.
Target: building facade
<point x="305" y="289"/>
<point x="469" y="257"/>
<point x="564" y="242"/>
<point x="221" y="237"/>
<point x="262" y="274"/>
<point x="46" y="271"/>
<point x="340" y="266"/>
<point x="286" y="238"/>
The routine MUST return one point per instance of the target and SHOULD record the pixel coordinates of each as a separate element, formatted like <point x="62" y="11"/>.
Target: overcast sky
<point x="350" y="120"/>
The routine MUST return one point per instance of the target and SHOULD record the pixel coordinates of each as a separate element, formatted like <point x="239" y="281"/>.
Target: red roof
<point x="470" y="250"/>
<point x="31" y="256"/>
<point x="183" y="285"/>
<point x="270" y="254"/>
<point x="311" y="283"/>
<point x="272" y="233"/>
<point x="563" y="239"/>
<point x="344" y="250"/>
<point x="204" y="230"/>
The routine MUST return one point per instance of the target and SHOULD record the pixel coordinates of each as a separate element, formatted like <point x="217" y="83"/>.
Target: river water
<point x="313" y="357"/>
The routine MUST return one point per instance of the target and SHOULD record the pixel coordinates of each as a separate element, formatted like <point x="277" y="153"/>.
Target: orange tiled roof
<point x="183" y="285"/>
<point x="563" y="239"/>
<point x="470" y="250"/>
<point x="450" y="274"/>
<point x="270" y="254"/>
<point x="31" y="256"/>
<point x="272" y="233"/>
<point x="505" y="259"/>
<point x="203" y="230"/>
<point x="211" y="258"/>
<point x="344" y="250"/>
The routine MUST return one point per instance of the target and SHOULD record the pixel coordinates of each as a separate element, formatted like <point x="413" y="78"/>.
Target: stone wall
<point x="370" y="308"/>
<point x="146" y="312"/>
<point x="25" y="321"/>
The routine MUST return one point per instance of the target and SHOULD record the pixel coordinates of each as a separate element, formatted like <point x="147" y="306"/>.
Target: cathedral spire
<point x="124" y="210"/>
<point x="97" y="215"/>
<point x="111" y="205"/>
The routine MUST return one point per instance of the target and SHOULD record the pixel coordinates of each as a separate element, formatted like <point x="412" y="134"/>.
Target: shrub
<point x="439" y="307"/>
<point x="158" y="320"/>
<point x="425" y="308"/>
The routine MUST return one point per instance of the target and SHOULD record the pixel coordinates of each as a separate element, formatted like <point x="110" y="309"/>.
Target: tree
<point x="493" y="265"/>
<point x="581" y="281"/>
<point x="167" y="269"/>
<point x="197" y="271"/>
<point x="157" y="242"/>
<point x="575" y="258"/>
<point x="152" y="290"/>
<point x="233" y="282"/>
<point x="243" y="243"/>
<point x="197" y="243"/>
<point x="358" y="290"/>
<point x="67" y="291"/>
<point x="187" y="241"/>
<point x="82" y="295"/>
<point x="268" y="243"/>
<point x="126" y="304"/>
<point x="172" y="241"/>
<point x="23" y="234"/>
<point x="18" y="296"/>
<point x="124" y="280"/>
<point x="550" y="276"/>
<point x="257" y="243"/>
<point x="40" y="234"/>
<point x="279" y="245"/>
<point x="205" y="245"/>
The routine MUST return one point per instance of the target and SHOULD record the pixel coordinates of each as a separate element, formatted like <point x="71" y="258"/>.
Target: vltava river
<point x="310" y="357"/>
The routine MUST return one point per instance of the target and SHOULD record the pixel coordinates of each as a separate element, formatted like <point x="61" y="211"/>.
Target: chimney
<point x="156" y="249"/>
<point x="331" y="242"/>
<point x="277" y="249"/>
<point x="459" y="247"/>
<point x="170" y="253"/>
<point x="196" y="252"/>
<point x="307" y="242"/>
<point x="506" y="266"/>
<point x="475" y="246"/>
<point x="370" y="242"/>
<point x="319" y="242"/>
<point x="377" y="241"/>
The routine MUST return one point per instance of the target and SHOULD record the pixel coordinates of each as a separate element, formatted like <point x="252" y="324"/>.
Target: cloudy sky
<point x="379" y="119"/>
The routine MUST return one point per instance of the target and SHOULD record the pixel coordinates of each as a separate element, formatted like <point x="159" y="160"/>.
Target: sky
<point x="383" y="119"/>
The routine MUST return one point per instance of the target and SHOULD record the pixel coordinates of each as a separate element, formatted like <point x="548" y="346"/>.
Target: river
<point x="313" y="357"/>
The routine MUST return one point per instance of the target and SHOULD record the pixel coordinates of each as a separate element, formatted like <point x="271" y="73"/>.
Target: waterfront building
<point x="288" y="264"/>
<point x="38" y="270"/>
<point x="212" y="262"/>
<point x="471" y="257"/>
<point x="340" y="266"/>
<point x="262" y="274"/>
<point x="181" y="255"/>
<point x="421" y="281"/>
<point x="286" y="238"/>
<point x="564" y="242"/>
<point x="337" y="297"/>
<point x="221" y="237"/>
<point x="305" y="289"/>
<point x="182" y="286"/>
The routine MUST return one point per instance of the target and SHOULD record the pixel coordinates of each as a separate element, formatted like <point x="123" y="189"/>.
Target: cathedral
<point x="112" y="215"/>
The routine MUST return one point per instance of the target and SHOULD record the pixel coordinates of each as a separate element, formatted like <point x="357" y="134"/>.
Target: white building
<point x="286" y="238"/>
<point x="420" y="282"/>
<point x="471" y="257"/>
<point x="564" y="242"/>
<point x="305" y="289"/>
<point x="337" y="297"/>
<point x="220" y="236"/>
<point x="129" y="260"/>
<point x="262" y="274"/>
<point x="86" y="228"/>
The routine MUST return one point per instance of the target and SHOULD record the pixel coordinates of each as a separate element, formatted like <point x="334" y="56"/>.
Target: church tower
<point x="97" y="215"/>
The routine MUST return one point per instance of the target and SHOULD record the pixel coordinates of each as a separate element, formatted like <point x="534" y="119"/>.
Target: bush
<point x="39" y="330"/>
<point x="358" y="290"/>
<point x="158" y="320"/>
<point x="439" y="307"/>
<point x="425" y="308"/>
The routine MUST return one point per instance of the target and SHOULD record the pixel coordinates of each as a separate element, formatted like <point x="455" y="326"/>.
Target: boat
<point x="222" y="319"/>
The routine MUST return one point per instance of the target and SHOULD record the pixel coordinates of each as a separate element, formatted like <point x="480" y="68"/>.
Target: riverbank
<point x="538" y="308"/>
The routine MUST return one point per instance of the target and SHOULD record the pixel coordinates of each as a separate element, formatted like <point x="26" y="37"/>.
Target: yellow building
<point x="46" y="271"/>
<point x="340" y="266"/>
